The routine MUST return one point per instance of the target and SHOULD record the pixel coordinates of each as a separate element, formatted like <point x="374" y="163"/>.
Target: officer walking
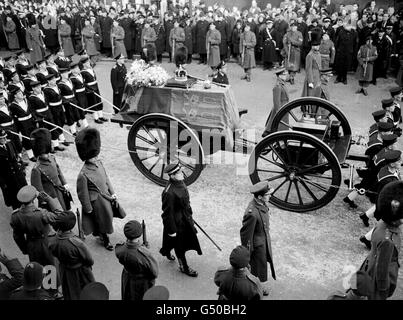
<point x="140" y="267"/>
<point x="255" y="233"/>
<point x="237" y="283"/>
<point x="179" y="230"/>
<point x="118" y="77"/>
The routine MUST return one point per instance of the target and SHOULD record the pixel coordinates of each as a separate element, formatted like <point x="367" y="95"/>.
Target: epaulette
<point x="76" y="241"/>
<point x="114" y="67"/>
<point x="167" y="188"/>
<point x="252" y="278"/>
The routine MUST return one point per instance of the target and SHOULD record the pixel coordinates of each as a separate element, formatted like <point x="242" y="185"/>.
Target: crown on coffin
<point x="181" y="74"/>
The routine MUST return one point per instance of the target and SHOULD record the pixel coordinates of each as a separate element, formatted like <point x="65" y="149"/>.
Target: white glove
<point x="114" y="196"/>
<point x="310" y="85"/>
<point x="172" y="235"/>
<point x="67" y="187"/>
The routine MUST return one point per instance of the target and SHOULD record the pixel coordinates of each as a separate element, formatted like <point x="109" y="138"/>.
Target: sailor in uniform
<point x="79" y="91"/>
<point x="15" y="83"/>
<point x="397" y="94"/>
<point x="30" y="77"/>
<point x="42" y="73"/>
<point x="69" y="100"/>
<point x="7" y="123"/>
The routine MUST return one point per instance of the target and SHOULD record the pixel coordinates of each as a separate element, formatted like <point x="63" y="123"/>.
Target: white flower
<point x="143" y="75"/>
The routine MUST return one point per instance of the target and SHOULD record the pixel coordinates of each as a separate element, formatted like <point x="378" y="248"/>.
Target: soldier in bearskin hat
<point x="94" y="188"/>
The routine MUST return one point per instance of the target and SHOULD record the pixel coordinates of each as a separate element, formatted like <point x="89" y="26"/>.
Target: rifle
<point x="243" y="54"/>
<point x="113" y="47"/>
<point x="366" y="63"/>
<point x="80" y="225"/>
<point x="208" y="51"/>
<point x="289" y="54"/>
<point x="173" y="49"/>
<point x="145" y="242"/>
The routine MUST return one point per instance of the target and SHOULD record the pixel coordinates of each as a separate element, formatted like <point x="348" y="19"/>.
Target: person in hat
<point x="94" y="189"/>
<point x="28" y="78"/>
<point x="213" y="41"/>
<point x="383" y="49"/>
<point x="148" y="35"/>
<point x="95" y="291"/>
<point x="79" y="91"/>
<point x="379" y="116"/>
<point x="177" y="38"/>
<point x="11" y="33"/>
<point x="255" y="235"/>
<point x="49" y="24"/>
<point x="313" y="63"/>
<point x="327" y="51"/>
<point x="12" y="174"/>
<point x="397" y="94"/>
<point x="220" y="76"/>
<point x="51" y="66"/>
<point x="7" y="123"/>
<point x="32" y="284"/>
<point x="156" y="293"/>
<point x="328" y="29"/>
<point x="117" y="39"/>
<point x="382" y="263"/>
<point x="223" y="28"/>
<point x="389" y="106"/>
<point x="179" y="231"/>
<point x="140" y="268"/>
<point x="88" y="34"/>
<point x="268" y="39"/>
<point x="70" y="102"/>
<point x="280" y="98"/>
<point x="138" y="30"/>
<point x="118" y="80"/>
<point x="201" y="29"/>
<point x="9" y="66"/>
<point x="98" y="33"/>
<point x="61" y="60"/>
<point x="55" y="103"/>
<point x="46" y="175"/>
<point x="235" y="39"/>
<point x="189" y="29"/>
<point x="12" y="278"/>
<point x="346" y="46"/>
<point x="127" y="24"/>
<point x="14" y="84"/>
<point x="32" y="226"/>
<point x="75" y="260"/>
<point x="237" y="283"/>
<point x="64" y="33"/>
<point x="23" y="119"/>
<point x="34" y="39"/>
<point x="292" y="43"/>
<point x="160" y="33"/>
<point x="247" y="47"/>
<point x="366" y="56"/>
<point x="92" y="91"/>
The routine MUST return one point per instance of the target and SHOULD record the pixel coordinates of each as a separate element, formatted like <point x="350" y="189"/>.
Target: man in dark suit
<point x="179" y="232"/>
<point x="255" y="233"/>
<point x="118" y="76"/>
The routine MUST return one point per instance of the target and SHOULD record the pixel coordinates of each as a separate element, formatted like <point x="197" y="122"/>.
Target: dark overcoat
<point x="256" y="237"/>
<point x="201" y="33"/>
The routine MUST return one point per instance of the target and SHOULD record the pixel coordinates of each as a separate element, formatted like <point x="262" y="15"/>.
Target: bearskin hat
<point x="315" y="38"/>
<point x="88" y="143"/>
<point x="181" y="56"/>
<point x="41" y="141"/>
<point x="390" y="202"/>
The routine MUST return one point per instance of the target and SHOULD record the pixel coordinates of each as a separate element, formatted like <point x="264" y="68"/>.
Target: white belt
<point x="69" y="97"/>
<point x="43" y="109"/>
<point x="54" y="104"/>
<point x="80" y="90"/>
<point x="91" y="83"/>
<point x="6" y="124"/>
<point x="25" y="118"/>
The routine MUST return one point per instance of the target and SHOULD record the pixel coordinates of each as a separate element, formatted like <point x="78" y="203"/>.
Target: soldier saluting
<point x="255" y="233"/>
<point x="118" y="77"/>
<point x="179" y="230"/>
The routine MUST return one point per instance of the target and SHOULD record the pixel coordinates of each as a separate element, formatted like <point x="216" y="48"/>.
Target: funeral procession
<point x="201" y="150"/>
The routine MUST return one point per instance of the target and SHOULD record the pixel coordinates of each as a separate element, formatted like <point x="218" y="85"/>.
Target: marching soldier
<point x="12" y="175"/>
<point x="140" y="268"/>
<point x="280" y="98"/>
<point x="46" y="175"/>
<point x="30" y="77"/>
<point x="53" y="98"/>
<point x="79" y="91"/>
<point x="396" y="94"/>
<point x="247" y="47"/>
<point x="23" y="119"/>
<point x="42" y="72"/>
<point x="237" y="283"/>
<point x="40" y="110"/>
<point x="118" y="77"/>
<point x="255" y="233"/>
<point x="117" y="39"/>
<point x="91" y="86"/>
<point x="292" y="43"/>
<point x="51" y="66"/>
<point x="366" y="56"/>
<point x="179" y="232"/>
<point x="7" y="123"/>
<point x="74" y="257"/>
<point x="31" y="225"/>
<point x="69" y="100"/>
<point x="313" y="63"/>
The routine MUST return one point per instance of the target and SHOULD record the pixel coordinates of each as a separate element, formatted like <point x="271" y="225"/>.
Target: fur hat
<point x="390" y="201"/>
<point x="180" y="56"/>
<point x="315" y="38"/>
<point x="41" y="141"/>
<point x="88" y="143"/>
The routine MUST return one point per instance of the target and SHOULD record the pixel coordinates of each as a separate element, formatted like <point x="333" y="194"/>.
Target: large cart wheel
<point x="156" y="140"/>
<point x="303" y="170"/>
<point x="309" y="109"/>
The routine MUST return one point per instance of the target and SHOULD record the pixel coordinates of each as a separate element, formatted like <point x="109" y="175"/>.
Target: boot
<point x="184" y="268"/>
<point x="350" y="203"/>
<point x="364" y="219"/>
<point x="168" y="255"/>
<point x="107" y="244"/>
<point x="364" y="91"/>
<point x="366" y="242"/>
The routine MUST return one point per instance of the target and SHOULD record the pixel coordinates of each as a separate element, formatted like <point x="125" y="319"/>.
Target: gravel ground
<point x="310" y="250"/>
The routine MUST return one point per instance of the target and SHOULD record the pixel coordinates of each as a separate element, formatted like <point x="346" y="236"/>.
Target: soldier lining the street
<point x="313" y="63"/>
<point x="255" y="233"/>
<point x="366" y="56"/>
<point x="292" y="42"/>
<point x="179" y="232"/>
<point x="140" y="267"/>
